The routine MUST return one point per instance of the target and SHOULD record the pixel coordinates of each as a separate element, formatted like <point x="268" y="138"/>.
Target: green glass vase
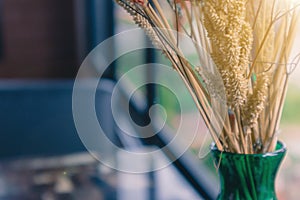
<point x="248" y="176"/>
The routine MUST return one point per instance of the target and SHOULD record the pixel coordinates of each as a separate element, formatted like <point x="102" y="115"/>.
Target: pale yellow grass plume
<point x="231" y="39"/>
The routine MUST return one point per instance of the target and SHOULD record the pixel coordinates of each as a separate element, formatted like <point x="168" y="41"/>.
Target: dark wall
<point x="38" y="39"/>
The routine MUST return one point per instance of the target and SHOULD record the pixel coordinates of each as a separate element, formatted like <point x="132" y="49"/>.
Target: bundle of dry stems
<point x="249" y="42"/>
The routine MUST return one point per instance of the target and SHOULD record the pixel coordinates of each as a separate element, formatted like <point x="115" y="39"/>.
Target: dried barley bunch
<point x="246" y="42"/>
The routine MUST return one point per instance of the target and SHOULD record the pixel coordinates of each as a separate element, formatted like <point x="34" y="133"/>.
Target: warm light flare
<point x="295" y="1"/>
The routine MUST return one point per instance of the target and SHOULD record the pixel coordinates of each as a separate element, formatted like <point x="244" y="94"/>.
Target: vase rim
<point x="280" y="149"/>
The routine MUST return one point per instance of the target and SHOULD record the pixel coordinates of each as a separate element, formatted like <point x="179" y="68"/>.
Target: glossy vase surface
<point x="248" y="176"/>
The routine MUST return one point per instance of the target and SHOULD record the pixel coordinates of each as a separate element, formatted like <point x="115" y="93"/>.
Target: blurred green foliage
<point x="291" y="110"/>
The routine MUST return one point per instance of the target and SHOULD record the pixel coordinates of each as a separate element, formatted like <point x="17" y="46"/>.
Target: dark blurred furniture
<point x="40" y="151"/>
<point x="50" y="38"/>
<point x="36" y="117"/>
<point x="38" y="39"/>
